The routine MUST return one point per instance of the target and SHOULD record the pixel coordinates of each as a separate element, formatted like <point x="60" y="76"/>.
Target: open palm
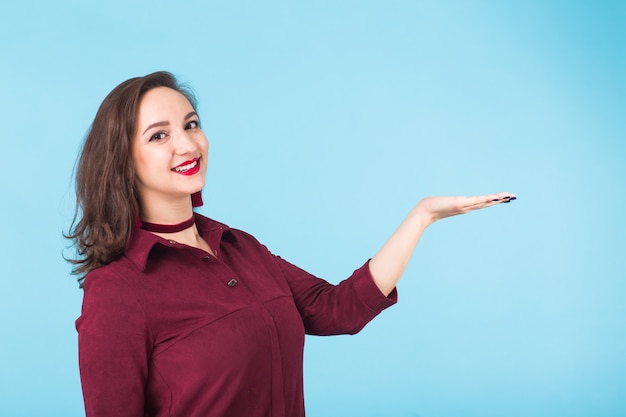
<point x="437" y="208"/>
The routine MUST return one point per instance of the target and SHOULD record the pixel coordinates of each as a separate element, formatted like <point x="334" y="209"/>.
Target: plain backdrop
<point x="328" y="121"/>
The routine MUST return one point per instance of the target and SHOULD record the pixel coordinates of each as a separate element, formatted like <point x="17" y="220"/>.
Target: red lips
<point x="188" y="167"/>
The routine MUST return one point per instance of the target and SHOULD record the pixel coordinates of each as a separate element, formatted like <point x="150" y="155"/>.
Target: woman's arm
<point x="389" y="263"/>
<point x="114" y="345"/>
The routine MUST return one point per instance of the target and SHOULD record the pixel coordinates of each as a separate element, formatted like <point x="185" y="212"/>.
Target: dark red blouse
<point x="168" y="330"/>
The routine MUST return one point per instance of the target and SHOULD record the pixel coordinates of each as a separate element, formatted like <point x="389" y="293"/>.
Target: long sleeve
<point x="114" y="344"/>
<point x="328" y="309"/>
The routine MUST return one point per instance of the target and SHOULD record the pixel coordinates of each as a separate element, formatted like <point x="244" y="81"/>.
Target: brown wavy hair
<point x="107" y="202"/>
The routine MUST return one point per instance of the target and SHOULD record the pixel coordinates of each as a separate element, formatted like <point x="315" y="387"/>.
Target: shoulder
<point x="115" y="274"/>
<point x="109" y="292"/>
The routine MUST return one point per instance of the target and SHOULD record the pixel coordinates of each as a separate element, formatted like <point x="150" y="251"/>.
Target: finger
<point x="467" y="204"/>
<point x="503" y="197"/>
<point x="488" y="200"/>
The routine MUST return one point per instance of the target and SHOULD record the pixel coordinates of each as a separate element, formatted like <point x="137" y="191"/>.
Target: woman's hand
<point x="389" y="263"/>
<point x="437" y="208"/>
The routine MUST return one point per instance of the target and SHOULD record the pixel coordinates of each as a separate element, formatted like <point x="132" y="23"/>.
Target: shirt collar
<point x="141" y="241"/>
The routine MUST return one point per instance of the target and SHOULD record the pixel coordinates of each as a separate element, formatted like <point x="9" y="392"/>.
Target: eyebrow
<point x="166" y="123"/>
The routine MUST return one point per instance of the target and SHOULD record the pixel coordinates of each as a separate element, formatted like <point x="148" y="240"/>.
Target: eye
<point x="194" y="124"/>
<point x="157" y="136"/>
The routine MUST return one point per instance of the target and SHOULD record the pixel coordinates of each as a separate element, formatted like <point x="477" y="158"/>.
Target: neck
<point x="165" y="211"/>
<point x="168" y="228"/>
<point x="188" y="236"/>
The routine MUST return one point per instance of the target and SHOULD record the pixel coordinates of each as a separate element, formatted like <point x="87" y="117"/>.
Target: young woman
<point x="182" y="315"/>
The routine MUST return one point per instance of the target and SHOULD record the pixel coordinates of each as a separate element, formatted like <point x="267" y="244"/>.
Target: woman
<point x="182" y="315"/>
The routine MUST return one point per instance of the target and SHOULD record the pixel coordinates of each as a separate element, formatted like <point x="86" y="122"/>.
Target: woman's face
<point x="169" y="149"/>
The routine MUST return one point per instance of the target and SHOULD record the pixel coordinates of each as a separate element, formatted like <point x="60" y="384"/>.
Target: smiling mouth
<point x="187" y="167"/>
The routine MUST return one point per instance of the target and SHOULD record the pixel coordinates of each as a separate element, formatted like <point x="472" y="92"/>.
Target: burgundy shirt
<point x="168" y="330"/>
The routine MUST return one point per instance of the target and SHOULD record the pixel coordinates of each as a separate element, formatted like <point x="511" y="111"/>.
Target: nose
<point x="183" y="143"/>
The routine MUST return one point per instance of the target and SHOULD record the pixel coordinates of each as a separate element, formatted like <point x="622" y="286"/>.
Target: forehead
<point x="162" y="103"/>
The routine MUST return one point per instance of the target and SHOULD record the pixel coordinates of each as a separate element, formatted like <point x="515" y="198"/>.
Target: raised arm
<point x="389" y="263"/>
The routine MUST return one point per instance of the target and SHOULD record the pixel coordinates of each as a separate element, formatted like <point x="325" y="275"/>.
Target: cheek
<point x="141" y="166"/>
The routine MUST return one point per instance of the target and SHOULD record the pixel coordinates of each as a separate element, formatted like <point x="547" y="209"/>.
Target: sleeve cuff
<point x="369" y="293"/>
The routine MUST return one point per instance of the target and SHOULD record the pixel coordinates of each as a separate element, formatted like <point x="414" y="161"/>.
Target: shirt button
<point x="206" y="258"/>
<point x="232" y="283"/>
<point x="173" y="242"/>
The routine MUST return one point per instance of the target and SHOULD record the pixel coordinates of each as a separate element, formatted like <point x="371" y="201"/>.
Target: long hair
<point x="107" y="202"/>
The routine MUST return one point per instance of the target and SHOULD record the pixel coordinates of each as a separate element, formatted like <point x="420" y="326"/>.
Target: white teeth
<point x="186" y="167"/>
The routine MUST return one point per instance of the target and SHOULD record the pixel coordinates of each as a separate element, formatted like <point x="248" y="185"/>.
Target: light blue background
<point x="328" y="121"/>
